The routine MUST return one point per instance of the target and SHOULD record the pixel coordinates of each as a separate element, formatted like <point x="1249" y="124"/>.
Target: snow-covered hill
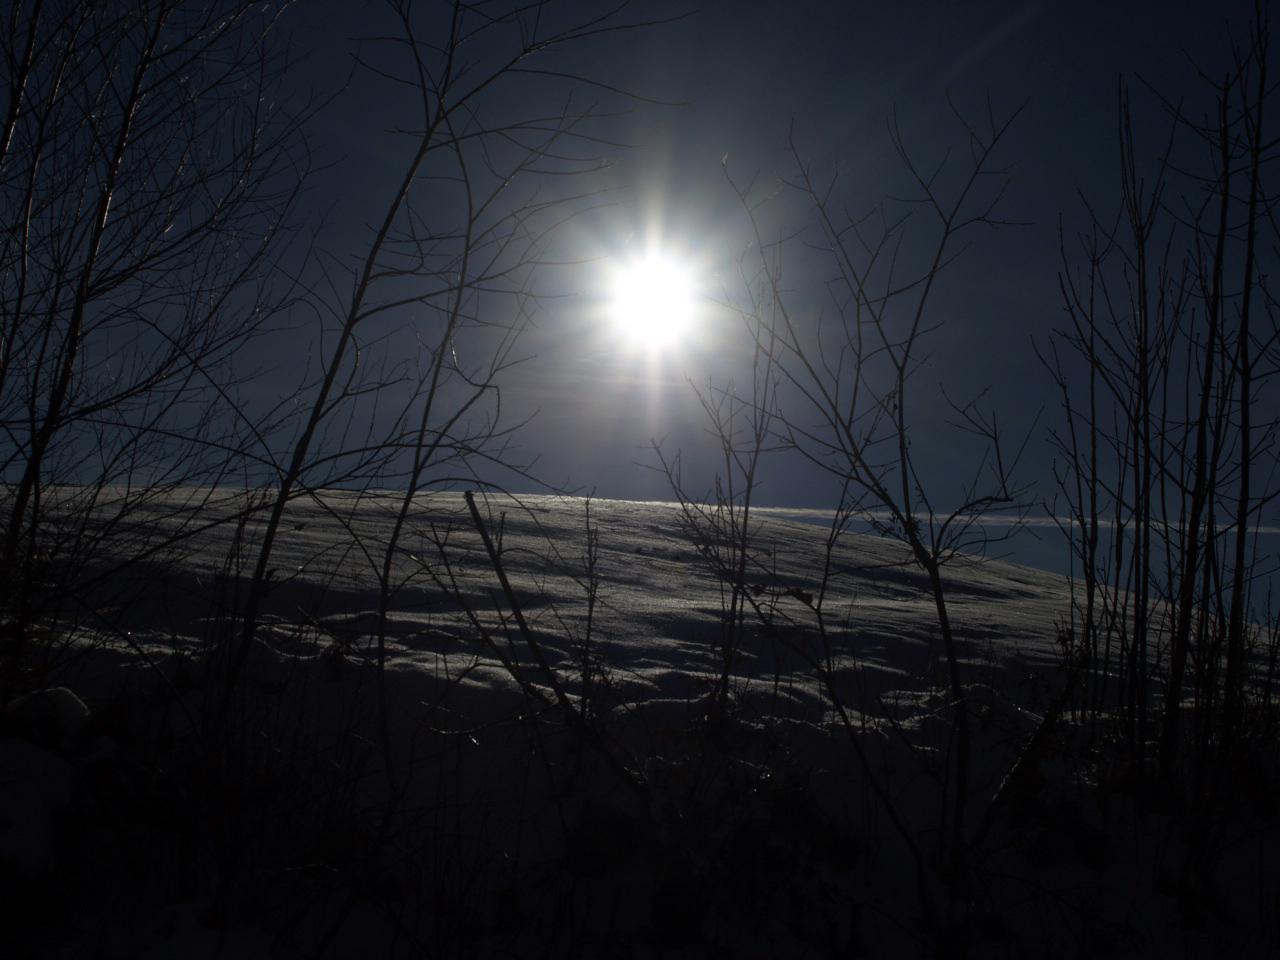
<point x="402" y="769"/>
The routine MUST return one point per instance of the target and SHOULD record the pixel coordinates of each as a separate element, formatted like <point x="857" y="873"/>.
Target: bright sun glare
<point x="653" y="300"/>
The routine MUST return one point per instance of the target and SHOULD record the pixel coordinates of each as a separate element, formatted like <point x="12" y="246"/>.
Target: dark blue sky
<point x="744" y="74"/>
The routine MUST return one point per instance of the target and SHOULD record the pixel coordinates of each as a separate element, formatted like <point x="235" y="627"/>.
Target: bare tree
<point x="148" y="172"/>
<point x="835" y="386"/>
<point x="421" y="322"/>
<point x="1167" y="372"/>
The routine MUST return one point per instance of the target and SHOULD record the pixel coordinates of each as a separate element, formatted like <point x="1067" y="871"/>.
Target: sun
<point x="653" y="300"/>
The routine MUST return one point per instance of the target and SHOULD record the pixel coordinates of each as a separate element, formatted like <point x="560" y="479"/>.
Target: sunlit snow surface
<point x="660" y="602"/>
<point x="657" y="627"/>
<point x="417" y="732"/>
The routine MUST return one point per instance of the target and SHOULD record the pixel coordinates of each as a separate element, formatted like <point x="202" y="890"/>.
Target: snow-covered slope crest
<point x="597" y="757"/>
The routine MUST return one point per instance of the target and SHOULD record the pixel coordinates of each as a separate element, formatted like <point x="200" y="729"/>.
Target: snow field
<point x="410" y="784"/>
